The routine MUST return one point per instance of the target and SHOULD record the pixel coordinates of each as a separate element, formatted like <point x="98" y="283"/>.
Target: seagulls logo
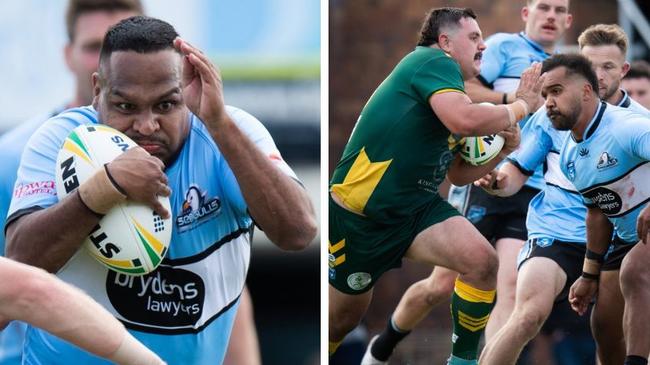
<point x="196" y="209"/>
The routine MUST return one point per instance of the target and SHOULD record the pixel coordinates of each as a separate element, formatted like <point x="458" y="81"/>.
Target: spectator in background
<point x="637" y="82"/>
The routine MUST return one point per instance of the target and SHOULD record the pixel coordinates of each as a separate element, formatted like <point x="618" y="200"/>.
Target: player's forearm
<point x="479" y="93"/>
<point x="514" y="181"/>
<point x="48" y="238"/>
<point x="599" y="230"/>
<point x="462" y="173"/>
<point x="68" y="313"/>
<point x="279" y="205"/>
<point x="599" y="234"/>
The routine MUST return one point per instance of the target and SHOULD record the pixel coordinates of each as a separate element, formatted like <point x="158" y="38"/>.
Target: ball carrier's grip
<point x="100" y="192"/>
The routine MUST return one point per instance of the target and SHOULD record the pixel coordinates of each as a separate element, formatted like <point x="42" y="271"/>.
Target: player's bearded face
<point x="565" y="117"/>
<point x="140" y="95"/>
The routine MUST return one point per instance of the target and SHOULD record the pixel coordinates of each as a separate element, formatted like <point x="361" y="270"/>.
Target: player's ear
<point x="588" y="91"/>
<point x="96" y="80"/>
<point x="67" y="54"/>
<point x="568" y="21"/>
<point x="524" y="14"/>
<point x="443" y="42"/>
<point x="625" y="69"/>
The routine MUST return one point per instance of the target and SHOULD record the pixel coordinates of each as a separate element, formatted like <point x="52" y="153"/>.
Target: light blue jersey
<point x="13" y="142"/>
<point x="609" y="166"/>
<point x="184" y="310"/>
<point x="506" y="57"/>
<point x="557" y="211"/>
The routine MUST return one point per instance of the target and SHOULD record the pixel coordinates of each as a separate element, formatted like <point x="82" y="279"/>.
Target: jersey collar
<point x="593" y="124"/>
<point x="533" y="44"/>
<point x="626" y="101"/>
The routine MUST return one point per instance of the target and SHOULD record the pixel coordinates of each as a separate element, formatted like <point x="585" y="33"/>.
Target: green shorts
<point x="361" y="250"/>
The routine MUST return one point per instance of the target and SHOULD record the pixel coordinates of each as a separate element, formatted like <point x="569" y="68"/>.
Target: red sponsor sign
<point x="38" y="187"/>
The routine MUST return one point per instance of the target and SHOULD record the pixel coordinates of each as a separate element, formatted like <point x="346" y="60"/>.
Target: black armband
<point x="589" y="276"/>
<point x="598" y="257"/>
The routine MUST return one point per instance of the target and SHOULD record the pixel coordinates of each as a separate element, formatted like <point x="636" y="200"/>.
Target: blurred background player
<point x="500" y="220"/>
<point x="637" y="82"/>
<point x="36" y="297"/>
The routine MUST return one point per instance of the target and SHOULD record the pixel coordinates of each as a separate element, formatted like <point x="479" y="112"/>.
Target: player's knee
<point x="483" y="263"/>
<point x="634" y="277"/>
<point x="529" y="321"/>
<point x="342" y="322"/>
<point x="440" y="288"/>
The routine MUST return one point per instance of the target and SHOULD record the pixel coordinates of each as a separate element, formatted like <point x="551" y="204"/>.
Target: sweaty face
<point x="563" y="98"/>
<point x="609" y="63"/>
<point x="82" y="53"/>
<point x="466" y="46"/>
<point x="547" y="20"/>
<point x="639" y="89"/>
<point x="140" y="95"/>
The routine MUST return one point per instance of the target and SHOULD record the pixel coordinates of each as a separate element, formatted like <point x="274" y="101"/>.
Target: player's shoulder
<point x="57" y="128"/>
<point x="638" y="108"/>
<point x="504" y="39"/>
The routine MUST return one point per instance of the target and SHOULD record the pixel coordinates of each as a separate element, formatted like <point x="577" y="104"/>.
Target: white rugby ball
<point x="480" y="150"/>
<point x="131" y="238"/>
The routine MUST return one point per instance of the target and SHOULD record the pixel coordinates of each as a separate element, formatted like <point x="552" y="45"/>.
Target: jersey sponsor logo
<point x="607" y="200"/>
<point x="196" y="209"/>
<point x="606" y="160"/>
<point x="38" y="187"/>
<point x="359" y="280"/>
<point x="167" y="297"/>
<point x="571" y="170"/>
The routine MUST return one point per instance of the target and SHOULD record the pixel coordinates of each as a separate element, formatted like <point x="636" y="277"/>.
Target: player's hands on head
<point x="643" y="224"/>
<point x="530" y="87"/>
<point x="142" y="178"/>
<point x="202" y="85"/>
<point x="581" y="293"/>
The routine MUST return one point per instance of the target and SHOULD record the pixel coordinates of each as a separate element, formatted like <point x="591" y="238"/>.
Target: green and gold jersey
<point x="399" y="151"/>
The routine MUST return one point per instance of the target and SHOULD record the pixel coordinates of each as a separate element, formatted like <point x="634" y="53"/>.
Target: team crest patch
<point x="606" y="160"/>
<point x="332" y="273"/>
<point x="359" y="280"/>
<point x="571" y="170"/>
<point x="196" y="208"/>
<point x="475" y="213"/>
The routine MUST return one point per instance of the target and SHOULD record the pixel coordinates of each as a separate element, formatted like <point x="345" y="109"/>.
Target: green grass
<point x="308" y="68"/>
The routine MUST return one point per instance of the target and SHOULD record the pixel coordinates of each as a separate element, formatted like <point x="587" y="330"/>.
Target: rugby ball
<point x="131" y="238"/>
<point x="480" y="150"/>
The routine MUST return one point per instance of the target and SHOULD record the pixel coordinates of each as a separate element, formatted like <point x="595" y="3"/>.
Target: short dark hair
<point x="638" y="70"/>
<point x="575" y="64"/>
<point x="141" y="34"/>
<point x="77" y="8"/>
<point x="441" y="18"/>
